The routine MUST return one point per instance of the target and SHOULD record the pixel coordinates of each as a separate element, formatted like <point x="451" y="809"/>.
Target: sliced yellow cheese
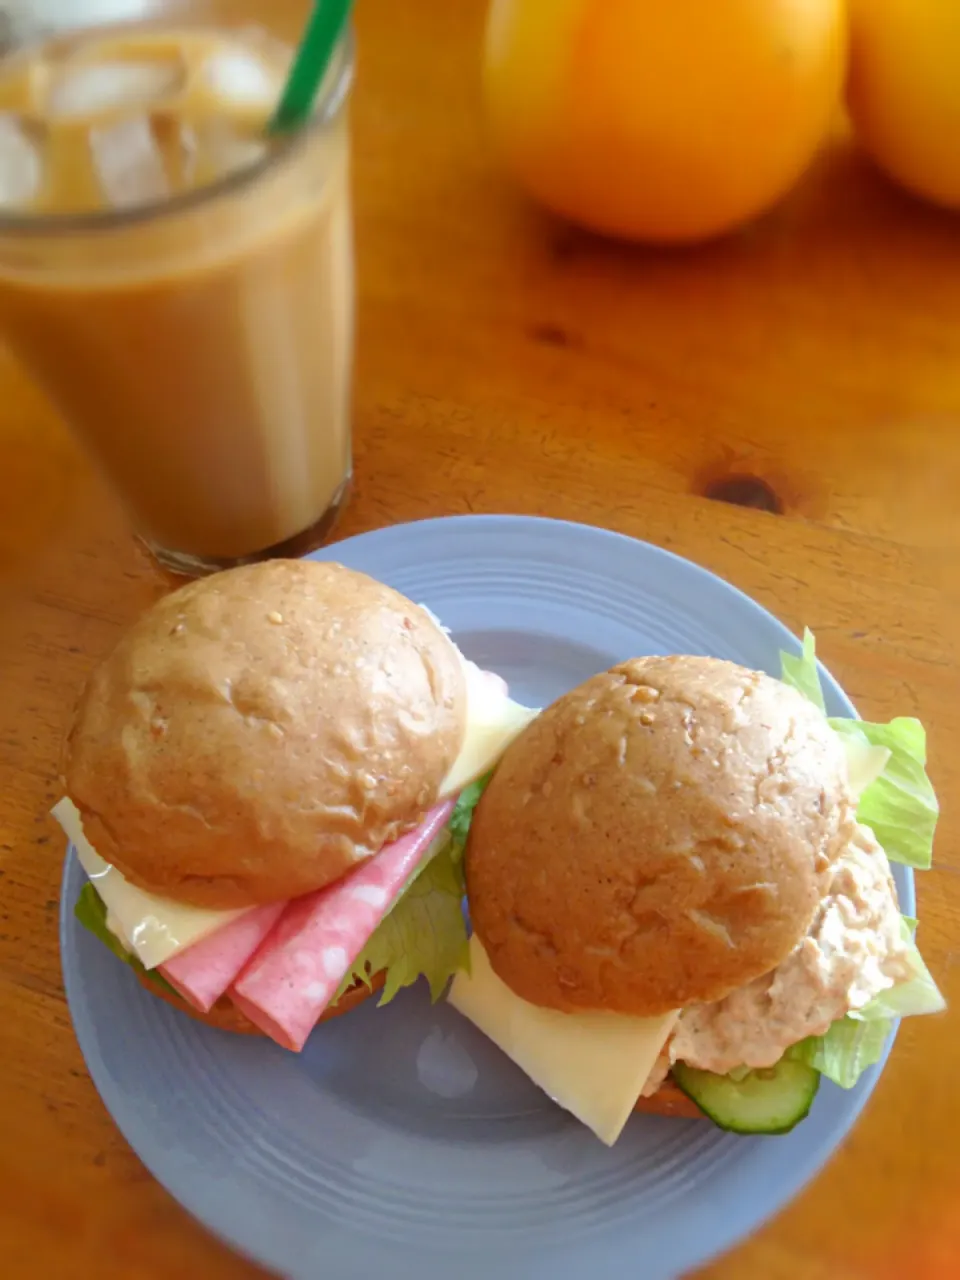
<point x="153" y="928"/>
<point x="493" y="721"/>
<point x="592" y="1064"/>
<point x="865" y="763"/>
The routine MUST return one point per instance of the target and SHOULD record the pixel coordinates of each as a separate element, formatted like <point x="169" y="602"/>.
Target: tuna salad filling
<point x="853" y="951"/>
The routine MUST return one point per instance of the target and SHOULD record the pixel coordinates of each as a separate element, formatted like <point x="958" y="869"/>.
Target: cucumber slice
<point x="771" y="1100"/>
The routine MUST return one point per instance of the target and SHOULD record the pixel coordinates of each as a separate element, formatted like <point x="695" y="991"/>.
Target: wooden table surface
<point x="507" y="363"/>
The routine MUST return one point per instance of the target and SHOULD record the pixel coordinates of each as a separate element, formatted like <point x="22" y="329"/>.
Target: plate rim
<point x="817" y="1155"/>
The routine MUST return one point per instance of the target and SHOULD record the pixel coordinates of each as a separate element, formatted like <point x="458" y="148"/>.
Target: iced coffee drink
<point x="181" y="283"/>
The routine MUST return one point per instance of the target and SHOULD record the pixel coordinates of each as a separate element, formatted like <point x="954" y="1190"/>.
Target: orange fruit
<point x="904" y="91"/>
<point x="661" y="120"/>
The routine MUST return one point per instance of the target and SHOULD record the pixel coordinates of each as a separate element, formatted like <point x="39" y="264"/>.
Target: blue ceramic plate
<point x="401" y="1143"/>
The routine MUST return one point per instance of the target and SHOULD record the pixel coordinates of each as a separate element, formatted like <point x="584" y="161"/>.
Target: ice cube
<point x="21" y="164"/>
<point x="177" y="142"/>
<point x="129" y="162"/>
<point x="224" y="149"/>
<point x="240" y="80"/>
<point x="99" y="88"/>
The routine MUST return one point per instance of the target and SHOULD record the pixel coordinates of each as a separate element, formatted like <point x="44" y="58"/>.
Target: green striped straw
<point x="320" y="39"/>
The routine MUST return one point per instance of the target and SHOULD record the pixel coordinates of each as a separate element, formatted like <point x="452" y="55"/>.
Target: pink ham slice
<point x="204" y="971"/>
<point x="295" y="974"/>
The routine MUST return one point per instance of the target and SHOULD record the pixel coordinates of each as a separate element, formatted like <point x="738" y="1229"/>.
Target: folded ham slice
<point x="203" y="972"/>
<point x="296" y="971"/>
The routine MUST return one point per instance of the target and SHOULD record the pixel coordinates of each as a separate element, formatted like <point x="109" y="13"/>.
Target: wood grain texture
<point x="507" y="363"/>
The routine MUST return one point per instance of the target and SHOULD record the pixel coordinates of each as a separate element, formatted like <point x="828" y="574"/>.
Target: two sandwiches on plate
<point x="285" y="778"/>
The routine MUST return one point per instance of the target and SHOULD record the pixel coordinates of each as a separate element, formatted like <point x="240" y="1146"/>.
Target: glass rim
<point x="101" y="220"/>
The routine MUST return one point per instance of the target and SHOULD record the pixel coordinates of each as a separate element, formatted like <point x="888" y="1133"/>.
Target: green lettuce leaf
<point x="919" y="995"/>
<point x="845" y="1051"/>
<point x="900" y="806"/>
<point x="462" y="816"/>
<point x="425" y="932"/>
<point x="91" y="912"/>
<point x="857" y="1041"/>
<point x="800" y="672"/>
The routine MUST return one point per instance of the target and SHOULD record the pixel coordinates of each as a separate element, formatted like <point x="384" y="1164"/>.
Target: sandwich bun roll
<point x="657" y="838"/>
<point x="257" y="734"/>
<point x="669" y="1100"/>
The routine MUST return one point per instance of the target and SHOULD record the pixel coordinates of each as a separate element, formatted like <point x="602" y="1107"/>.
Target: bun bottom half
<point x="225" y="1015"/>
<point x="669" y="1100"/>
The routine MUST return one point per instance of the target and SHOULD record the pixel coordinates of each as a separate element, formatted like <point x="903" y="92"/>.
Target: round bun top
<point x="259" y="732"/>
<point x="656" y="838"/>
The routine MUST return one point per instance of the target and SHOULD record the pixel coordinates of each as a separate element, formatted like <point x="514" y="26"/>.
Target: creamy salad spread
<point x="853" y="951"/>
